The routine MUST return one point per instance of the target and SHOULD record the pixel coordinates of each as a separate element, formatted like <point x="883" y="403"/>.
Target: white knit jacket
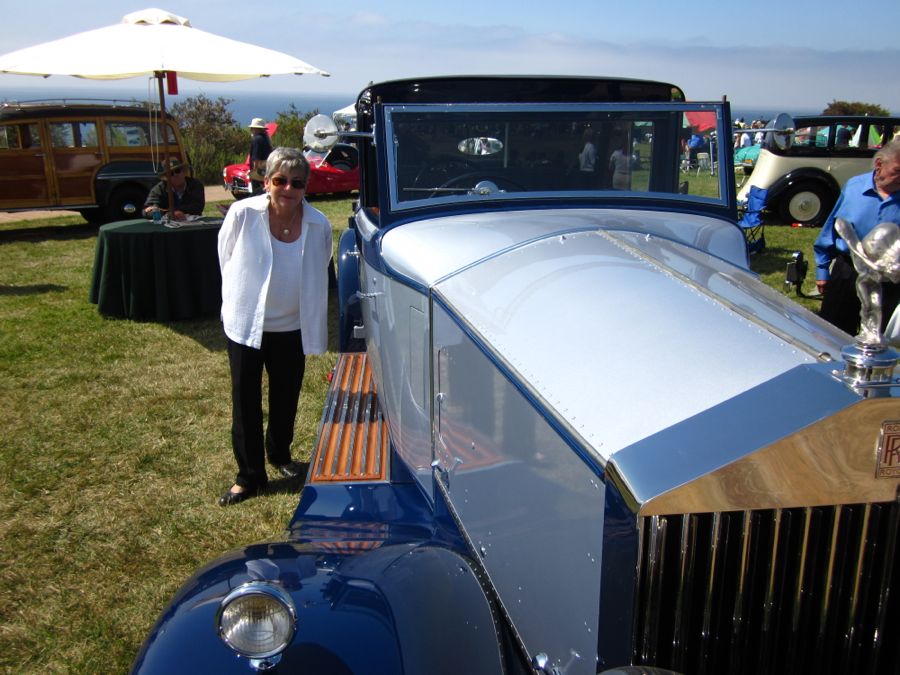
<point x="245" y="258"/>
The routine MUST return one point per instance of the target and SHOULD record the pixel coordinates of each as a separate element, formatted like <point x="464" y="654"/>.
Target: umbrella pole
<point x="160" y="74"/>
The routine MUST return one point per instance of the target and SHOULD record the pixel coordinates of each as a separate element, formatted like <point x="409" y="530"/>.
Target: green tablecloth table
<point x="149" y="272"/>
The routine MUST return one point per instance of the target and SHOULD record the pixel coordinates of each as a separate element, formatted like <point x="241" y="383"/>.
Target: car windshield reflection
<point x="443" y="155"/>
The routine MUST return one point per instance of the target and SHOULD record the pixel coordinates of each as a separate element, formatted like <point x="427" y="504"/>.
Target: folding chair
<point x="751" y="222"/>
<point x="703" y="162"/>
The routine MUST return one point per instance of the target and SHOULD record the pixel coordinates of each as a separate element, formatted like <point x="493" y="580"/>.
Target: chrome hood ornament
<point x="877" y="259"/>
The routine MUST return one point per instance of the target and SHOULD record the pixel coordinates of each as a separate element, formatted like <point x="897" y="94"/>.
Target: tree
<point x="212" y="137"/>
<point x="291" y="124"/>
<point x="855" y="108"/>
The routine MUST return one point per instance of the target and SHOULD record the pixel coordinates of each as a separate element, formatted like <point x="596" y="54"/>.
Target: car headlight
<point x="257" y="620"/>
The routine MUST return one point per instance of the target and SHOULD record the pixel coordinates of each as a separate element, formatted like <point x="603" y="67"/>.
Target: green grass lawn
<point x="116" y="446"/>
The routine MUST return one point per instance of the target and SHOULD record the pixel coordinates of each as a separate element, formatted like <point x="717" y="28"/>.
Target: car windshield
<point x="462" y="153"/>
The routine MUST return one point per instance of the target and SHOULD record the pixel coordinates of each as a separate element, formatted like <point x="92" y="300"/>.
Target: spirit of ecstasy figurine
<point x="876" y="259"/>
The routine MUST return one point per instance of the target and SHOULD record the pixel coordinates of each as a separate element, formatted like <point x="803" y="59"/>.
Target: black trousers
<point x="282" y="357"/>
<point x="840" y="304"/>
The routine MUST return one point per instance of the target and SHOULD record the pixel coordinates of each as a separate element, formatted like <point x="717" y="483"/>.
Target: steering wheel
<point x="430" y="175"/>
<point x="478" y="182"/>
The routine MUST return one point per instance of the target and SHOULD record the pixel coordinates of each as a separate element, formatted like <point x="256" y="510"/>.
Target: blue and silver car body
<point x="583" y="435"/>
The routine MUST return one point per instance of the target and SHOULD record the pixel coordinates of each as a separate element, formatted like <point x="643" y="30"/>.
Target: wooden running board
<point x="353" y="438"/>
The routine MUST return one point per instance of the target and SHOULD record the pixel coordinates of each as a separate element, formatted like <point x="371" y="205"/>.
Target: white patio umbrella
<point x="153" y="42"/>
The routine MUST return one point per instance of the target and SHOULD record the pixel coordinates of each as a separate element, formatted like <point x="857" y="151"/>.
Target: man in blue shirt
<point x="696" y="143"/>
<point x="866" y="200"/>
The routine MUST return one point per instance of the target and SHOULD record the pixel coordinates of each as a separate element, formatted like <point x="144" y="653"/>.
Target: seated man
<point x="188" y="193"/>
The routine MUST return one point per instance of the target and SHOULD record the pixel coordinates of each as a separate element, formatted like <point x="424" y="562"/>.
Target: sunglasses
<point x="281" y="181"/>
<point x="175" y="172"/>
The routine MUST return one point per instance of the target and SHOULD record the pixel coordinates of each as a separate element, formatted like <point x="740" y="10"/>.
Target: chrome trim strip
<point x="850" y="627"/>
<point x="739" y="618"/>
<point x="705" y="638"/>
<point x="654" y="588"/>
<point x="800" y="587"/>
<point x="828" y="580"/>
<point x="686" y="546"/>
<point x="639" y="585"/>
<point x="769" y="608"/>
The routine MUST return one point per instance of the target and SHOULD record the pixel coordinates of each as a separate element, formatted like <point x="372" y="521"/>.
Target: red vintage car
<point x="330" y="172"/>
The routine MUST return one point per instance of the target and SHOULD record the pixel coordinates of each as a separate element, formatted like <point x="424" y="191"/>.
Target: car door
<point x="76" y="156"/>
<point x="25" y="179"/>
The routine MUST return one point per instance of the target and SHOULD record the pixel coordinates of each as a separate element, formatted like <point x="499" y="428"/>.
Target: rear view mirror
<point x="480" y="146"/>
<point x="321" y="133"/>
<point x="780" y="131"/>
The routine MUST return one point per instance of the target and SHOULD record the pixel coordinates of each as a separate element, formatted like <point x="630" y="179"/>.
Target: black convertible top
<point x="515" y="89"/>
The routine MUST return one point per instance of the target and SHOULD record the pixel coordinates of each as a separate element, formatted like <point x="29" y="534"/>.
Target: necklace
<point x="283" y="231"/>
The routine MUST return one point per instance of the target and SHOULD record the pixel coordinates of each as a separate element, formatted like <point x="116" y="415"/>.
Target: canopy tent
<point x="701" y="120"/>
<point x="345" y="118"/>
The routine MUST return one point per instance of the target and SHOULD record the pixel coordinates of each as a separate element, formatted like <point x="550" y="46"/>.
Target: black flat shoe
<point x="230" y="498"/>
<point x="291" y="470"/>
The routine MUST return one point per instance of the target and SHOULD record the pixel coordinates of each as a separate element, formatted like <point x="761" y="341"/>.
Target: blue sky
<point x="763" y="54"/>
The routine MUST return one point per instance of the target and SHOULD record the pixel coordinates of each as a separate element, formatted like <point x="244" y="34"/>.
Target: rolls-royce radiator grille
<point x="801" y="590"/>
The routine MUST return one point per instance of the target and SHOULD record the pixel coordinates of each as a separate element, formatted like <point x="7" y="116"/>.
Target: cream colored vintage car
<point x="805" y="178"/>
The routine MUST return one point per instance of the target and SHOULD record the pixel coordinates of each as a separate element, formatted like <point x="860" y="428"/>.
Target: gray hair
<point x="889" y="152"/>
<point x="286" y="160"/>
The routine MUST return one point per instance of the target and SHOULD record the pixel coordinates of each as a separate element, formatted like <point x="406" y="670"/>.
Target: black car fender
<point x="803" y="175"/>
<point x="111" y="176"/>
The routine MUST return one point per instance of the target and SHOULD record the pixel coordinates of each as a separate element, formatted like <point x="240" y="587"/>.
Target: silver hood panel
<point x="583" y="317"/>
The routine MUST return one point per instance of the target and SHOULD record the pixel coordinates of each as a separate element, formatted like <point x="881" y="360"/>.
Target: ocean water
<point x="244" y="105"/>
<point x="247" y="104"/>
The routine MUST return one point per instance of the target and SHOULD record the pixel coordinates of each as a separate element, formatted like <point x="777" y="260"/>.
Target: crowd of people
<point x="618" y="167"/>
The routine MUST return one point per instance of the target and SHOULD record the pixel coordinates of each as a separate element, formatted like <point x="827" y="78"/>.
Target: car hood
<point x="620" y="333"/>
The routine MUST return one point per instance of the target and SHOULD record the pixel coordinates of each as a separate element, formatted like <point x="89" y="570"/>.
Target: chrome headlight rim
<point x="260" y="588"/>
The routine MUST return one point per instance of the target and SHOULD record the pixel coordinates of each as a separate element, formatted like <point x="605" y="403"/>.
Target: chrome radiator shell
<point x="811" y="589"/>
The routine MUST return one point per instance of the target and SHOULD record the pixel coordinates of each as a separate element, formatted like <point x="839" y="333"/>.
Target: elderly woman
<point x="274" y="251"/>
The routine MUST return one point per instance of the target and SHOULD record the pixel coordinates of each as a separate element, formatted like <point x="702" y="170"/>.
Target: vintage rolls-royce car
<point x="579" y="434"/>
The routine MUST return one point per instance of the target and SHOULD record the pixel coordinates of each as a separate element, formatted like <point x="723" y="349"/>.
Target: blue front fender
<point x="384" y="601"/>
